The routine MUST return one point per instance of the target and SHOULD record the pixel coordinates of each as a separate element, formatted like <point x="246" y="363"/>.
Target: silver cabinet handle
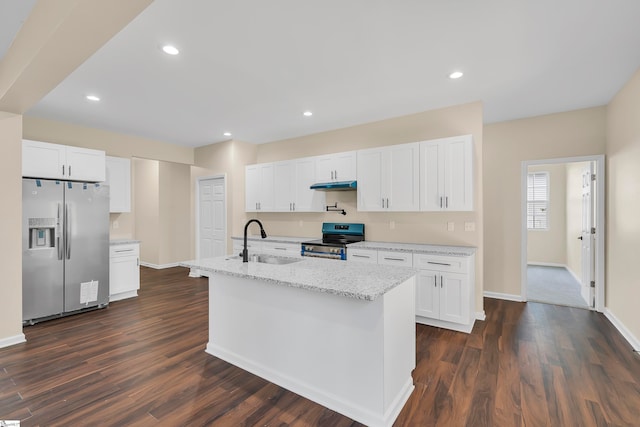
<point x="435" y="280"/>
<point x="394" y="259"/>
<point x="62" y="170"/>
<point x="360" y="256"/>
<point x="332" y="175"/>
<point x="439" y="263"/>
<point x="446" y="202"/>
<point x="294" y="206"/>
<point x="280" y="249"/>
<point x="336" y="174"/>
<point x="440" y="201"/>
<point x="383" y="203"/>
<point x="440" y="281"/>
<point x="387" y="203"/>
<point x="69" y="170"/>
<point x="138" y="262"/>
<point x="123" y="250"/>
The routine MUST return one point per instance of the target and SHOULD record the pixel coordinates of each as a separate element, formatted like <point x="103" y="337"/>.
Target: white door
<point x="212" y="218"/>
<point x="587" y="237"/>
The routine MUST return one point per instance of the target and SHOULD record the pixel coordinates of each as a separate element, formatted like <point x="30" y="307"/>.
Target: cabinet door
<point x="85" y="165"/>
<point x="454" y="298"/>
<point x="267" y="189"/>
<point x="401" y="177"/>
<point x="43" y="160"/>
<point x="251" y="188"/>
<point x="118" y="177"/>
<point x="458" y="173"/>
<point x="369" y="166"/>
<point x="283" y="180"/>
<point x="428" y="294"/>
<point x="431" y="176"/>
<point x="124" y="272"/>
<point x="345" y="166"/>
<point x="306" y="199"/>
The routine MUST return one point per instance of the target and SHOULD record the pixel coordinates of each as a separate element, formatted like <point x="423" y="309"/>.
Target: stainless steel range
<point x="335" y="238"/>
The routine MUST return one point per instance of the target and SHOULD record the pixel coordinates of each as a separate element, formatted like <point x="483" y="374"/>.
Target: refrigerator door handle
<point x="58" y="247"/>
<point x="67" y="227"/>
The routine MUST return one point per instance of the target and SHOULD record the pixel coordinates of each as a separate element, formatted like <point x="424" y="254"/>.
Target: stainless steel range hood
<point x="335" y="186"/>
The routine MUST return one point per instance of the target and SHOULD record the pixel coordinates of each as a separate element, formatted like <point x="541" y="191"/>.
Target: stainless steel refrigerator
<point x="65" y="248"/>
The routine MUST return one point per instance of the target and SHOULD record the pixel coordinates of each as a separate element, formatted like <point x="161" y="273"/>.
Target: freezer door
<point x="42" y="265"/>
<point x="86" y="251"/>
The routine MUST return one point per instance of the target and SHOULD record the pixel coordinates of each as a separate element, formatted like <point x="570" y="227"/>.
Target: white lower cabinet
<point x="282" y="249"/>
<point x="124" y="271"/>
<point x="362" y="255"/>
<point x="445" y="291"/>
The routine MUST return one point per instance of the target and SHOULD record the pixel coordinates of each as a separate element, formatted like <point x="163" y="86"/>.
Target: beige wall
<point x="574" y="217"/>
<point x="550" y="246"/>
<point x="146" y="204"/>
<point x="506" y="145"/>
<point x="11" y="225"/>
<point x="175" y="213"/>
<point x="424" y="227"/>
<point x="623" y="205"/>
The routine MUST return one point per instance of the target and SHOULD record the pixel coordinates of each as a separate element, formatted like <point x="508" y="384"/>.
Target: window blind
<point x="538" y="201"/>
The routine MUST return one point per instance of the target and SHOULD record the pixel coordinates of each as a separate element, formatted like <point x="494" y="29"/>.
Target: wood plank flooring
<point x="141" y="362"/>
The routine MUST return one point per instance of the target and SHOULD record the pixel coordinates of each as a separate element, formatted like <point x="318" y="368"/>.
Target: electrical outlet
<point x="451" y="226"/>
<point x="392" y="225"/>
<point x="469" y="226"/>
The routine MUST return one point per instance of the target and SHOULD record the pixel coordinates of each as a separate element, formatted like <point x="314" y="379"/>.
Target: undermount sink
<point x="268" y="259"/>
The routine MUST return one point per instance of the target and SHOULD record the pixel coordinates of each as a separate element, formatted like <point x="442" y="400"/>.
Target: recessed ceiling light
<point x="455" y="75"/>
<point x="93" y="98"/>
<point x="308" y="113"/>
<point x="227" y="134"/>
<point x="170" y="50"/>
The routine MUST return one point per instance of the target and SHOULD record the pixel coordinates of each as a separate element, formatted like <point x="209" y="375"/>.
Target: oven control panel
<point x="321" y="251"/>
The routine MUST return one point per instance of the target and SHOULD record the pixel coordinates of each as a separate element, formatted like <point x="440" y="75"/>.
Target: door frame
<point x="198" y="273"/>
<point x="600" y="222"/>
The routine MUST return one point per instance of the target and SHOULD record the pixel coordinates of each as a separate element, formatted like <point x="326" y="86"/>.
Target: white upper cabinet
<point x="307" y="200"/>
<point x="389" y="178"/>
<point x="446" y="174"/>
<point x="119" y="179"/>
<point x="336" y="167"/>
<point x="259" y="190"/>
<point x="55" y="161"/>
<point x="290" y="182"/>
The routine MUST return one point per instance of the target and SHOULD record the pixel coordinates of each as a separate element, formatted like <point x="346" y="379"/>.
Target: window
<point x="538" y="201"/>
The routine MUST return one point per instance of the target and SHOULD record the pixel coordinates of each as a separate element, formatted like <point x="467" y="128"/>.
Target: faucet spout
<point x="245" y="253"/>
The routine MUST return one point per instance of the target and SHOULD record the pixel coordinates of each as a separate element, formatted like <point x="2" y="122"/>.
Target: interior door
<point x="212" y="222"/>
<point x="587" y="237"/>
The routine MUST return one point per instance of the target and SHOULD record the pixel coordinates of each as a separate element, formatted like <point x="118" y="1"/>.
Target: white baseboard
<point x="626" y="333"/>
<point x="161" y="266"/>
<point x="498" y="295"/>
<point x="8" y="341"/>
<point x="480" y="315"/>
<point x="547" y="264"/>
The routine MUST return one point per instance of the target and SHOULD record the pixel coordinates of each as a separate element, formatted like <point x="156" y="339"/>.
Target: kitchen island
<point x="339" y="334"/>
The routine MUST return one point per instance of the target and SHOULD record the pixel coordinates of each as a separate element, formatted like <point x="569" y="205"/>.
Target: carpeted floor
<point x="553" y="285"/>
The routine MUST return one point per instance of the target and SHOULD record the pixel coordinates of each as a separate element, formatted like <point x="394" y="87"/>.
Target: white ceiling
<point x="251" y="67"/>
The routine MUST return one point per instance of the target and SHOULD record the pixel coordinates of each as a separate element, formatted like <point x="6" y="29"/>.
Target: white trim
<point x="626" y="333"/>
<point x="480" y="315"/>
<point x="197" y="211"/>
<point x="600" y="221"/>
<point x="159" y="266"/>
<point x="123" y="295"/>
<point x="9" y="341"/>
<point x="499" y="295"/>
<point x="547" y="264"/>
<point x="460" y="327"/>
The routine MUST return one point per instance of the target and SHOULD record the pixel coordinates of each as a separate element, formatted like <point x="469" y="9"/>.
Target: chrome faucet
<point x="245" y="253"/>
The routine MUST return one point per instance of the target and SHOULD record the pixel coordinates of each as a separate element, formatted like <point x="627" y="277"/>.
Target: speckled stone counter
<point x="115" y="242"/>
<point x="416" y="248"/>
<point x="276" y="239"/>
<point x="361" y="281"/>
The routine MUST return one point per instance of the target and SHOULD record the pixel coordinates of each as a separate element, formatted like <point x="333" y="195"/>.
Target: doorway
<point x="211" y="222"/>
<point x="563" y="231"/>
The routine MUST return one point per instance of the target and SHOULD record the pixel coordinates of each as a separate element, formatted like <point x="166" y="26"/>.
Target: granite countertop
<point x="353" y="280"/>
<point x="416" y="248"/>
<point x="122" y="242"/>
<point x="276" y="239"/>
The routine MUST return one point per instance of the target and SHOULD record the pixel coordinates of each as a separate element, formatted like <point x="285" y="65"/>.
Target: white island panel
<point x="351" y="355"/>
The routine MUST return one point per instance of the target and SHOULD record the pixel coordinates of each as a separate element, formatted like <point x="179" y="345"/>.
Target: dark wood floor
<point x="141" y="362"/>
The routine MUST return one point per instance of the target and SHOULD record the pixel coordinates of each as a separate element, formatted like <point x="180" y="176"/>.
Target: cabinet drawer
<point x="441" y="263"/>
<point x="362" y="255"/>
<point x="284" y="249"/>
<point x="117" y="251"/>
<point x="403" y="259"/>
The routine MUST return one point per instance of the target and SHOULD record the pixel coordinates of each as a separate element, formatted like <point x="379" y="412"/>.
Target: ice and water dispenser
<point x="42" y="232"/>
